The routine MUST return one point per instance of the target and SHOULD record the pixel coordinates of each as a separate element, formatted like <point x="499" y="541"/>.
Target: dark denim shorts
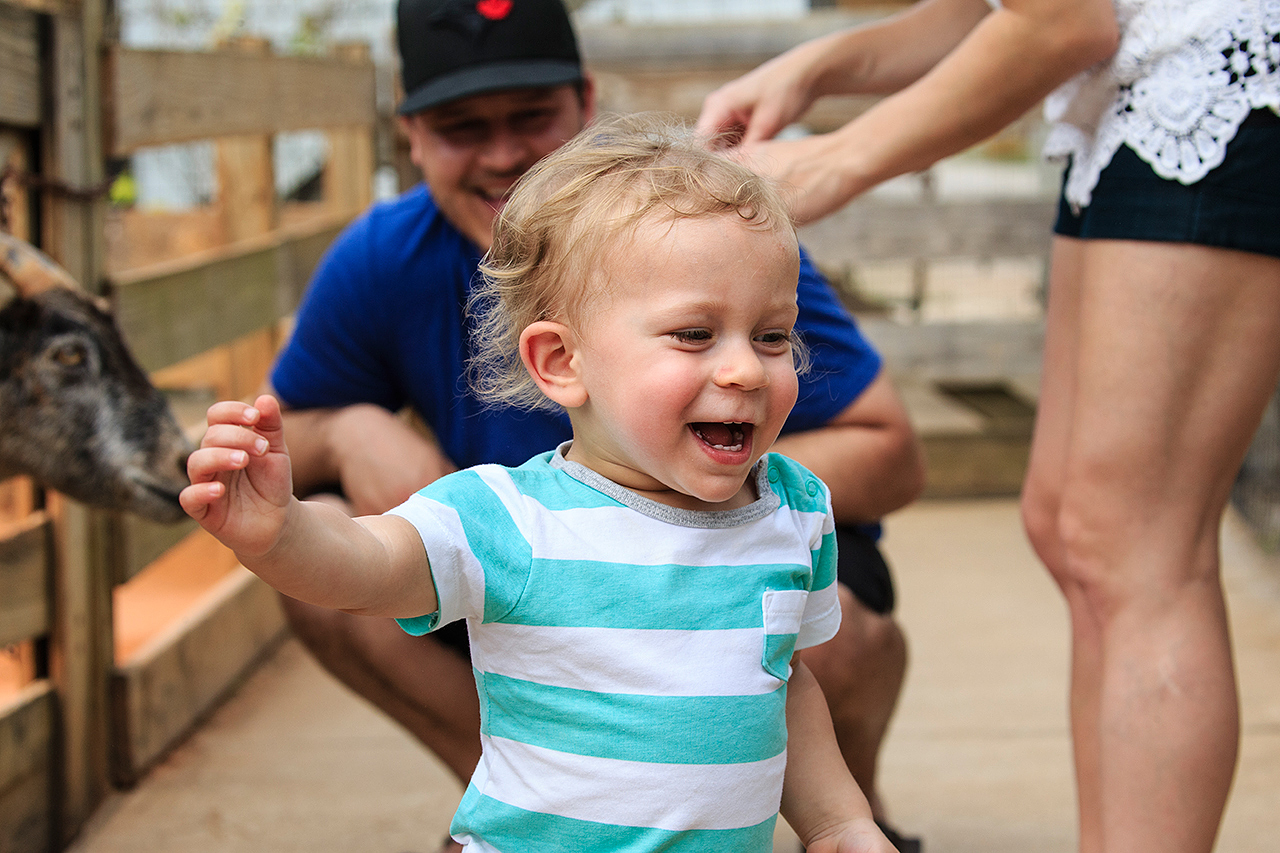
<point x="1235" y="206"/>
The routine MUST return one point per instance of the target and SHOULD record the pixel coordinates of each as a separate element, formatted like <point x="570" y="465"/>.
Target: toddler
<point x="633" y="597"/>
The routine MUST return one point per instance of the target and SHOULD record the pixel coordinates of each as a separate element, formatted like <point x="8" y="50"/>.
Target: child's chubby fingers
<point x="263" y="417"/>
<point x="196" y="498"/>
<point x="269" y="421"/>
<point x="233" y="412"/>
<point x="210" y="460"/>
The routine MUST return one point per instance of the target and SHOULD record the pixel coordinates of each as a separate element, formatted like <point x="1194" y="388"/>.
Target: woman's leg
<point x="1176" y="351"/>
<point x="1041" y="503"/>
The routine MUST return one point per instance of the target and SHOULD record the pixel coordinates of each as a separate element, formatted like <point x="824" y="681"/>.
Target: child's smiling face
<point x="687" y="361"/>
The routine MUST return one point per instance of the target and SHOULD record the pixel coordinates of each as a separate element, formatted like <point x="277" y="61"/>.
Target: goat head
<point x="77" y="413"/>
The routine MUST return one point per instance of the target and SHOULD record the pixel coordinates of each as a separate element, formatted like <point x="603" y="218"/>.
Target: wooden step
<point x="976" y="434"/>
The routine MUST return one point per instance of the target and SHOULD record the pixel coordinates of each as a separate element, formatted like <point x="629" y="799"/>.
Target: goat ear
<point x="28" y="270"/>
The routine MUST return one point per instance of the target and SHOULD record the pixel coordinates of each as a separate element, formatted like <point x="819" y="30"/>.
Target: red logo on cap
<point x="494" y="10"/>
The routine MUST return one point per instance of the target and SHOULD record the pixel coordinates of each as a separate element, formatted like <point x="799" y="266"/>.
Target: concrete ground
<point x="977" y="760"/>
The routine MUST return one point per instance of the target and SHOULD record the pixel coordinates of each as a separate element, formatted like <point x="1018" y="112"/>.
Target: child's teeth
<point x="734" y="435"/>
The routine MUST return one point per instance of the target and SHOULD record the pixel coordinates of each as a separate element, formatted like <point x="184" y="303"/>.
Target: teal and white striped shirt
<point x="631" y="658"/>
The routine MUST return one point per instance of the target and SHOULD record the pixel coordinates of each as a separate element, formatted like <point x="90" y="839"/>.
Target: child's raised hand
<point x="241" y="484"/>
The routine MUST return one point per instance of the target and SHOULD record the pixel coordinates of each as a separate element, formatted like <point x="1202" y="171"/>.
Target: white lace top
<point x="1187" y="73"/>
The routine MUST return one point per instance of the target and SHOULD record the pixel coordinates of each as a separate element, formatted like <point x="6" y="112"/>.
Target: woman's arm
<point x="1010" y="59"/>
<point x="876" y="58"/>
<point x="375" y="456"/>
<point x="869" y="455"/>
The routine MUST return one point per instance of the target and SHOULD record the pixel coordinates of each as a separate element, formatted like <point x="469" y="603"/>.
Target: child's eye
<point x="777" y="338"/>
<point x="692" y="336"/>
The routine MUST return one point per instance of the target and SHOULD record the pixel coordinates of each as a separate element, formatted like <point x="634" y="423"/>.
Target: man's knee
<point x="869" y="648"/>
<point x="324" y="632"/>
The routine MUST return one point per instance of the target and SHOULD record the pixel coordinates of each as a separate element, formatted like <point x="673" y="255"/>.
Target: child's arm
<point x="241" y="492"/>
<point x="820" y="799"/>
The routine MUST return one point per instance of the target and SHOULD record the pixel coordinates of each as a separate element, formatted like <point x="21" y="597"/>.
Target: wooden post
<point x="348" y="174"/>
<point x="16" y="494"/>
<point x="247" y="199"/>
<point x="246" y="173"/>
<point x="73" y="144"/>
<point x="80" y="647"/>
<point x="81" y="659"/>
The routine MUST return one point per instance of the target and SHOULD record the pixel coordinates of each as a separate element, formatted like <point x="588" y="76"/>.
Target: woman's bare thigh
<point x="1177" y="350"/>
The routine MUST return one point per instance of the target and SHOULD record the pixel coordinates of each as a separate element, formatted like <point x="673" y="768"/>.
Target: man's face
<point x="472" y="150"/>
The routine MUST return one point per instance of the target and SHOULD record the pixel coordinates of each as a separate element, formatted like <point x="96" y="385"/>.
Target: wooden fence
<point x="98" y="679"/>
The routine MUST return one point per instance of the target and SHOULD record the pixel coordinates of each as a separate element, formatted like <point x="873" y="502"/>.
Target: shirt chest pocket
<point x="783" y="613"/>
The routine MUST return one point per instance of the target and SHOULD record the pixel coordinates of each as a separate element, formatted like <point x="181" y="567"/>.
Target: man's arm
<point x="868" y="455"/>
<point x="375" y="456"/>
<point x="241" y="493"/>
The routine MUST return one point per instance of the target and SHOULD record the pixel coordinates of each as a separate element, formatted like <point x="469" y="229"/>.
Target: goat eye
<point x="69" y="355"/>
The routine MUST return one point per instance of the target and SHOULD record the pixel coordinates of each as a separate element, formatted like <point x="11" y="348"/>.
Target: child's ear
<point x="548" y="351"/>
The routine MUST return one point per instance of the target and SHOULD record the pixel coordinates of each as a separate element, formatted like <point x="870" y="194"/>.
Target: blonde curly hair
<point x="573" y="206"/>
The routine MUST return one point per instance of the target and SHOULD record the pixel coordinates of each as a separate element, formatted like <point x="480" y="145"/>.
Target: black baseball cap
<point x="452" y="49"/>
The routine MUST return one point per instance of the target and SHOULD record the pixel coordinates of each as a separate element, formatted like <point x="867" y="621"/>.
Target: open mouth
<point x="728" y="437"/>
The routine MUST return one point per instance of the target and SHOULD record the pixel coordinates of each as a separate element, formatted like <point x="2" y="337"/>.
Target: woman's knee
<point x="1119" y="553"/>
<point x="1039" y="506"/>
<point x="1075" y="537"/>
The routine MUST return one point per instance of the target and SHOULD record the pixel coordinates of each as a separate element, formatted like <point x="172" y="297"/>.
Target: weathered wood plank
<point x="24" y="579"/>
<point x="26" y="814"/>
<point x="703" y="45"/>
<point x="971" y="466"/>
<point x="956" y="351"/>
<point x="681" y="91"/>
<point x="139" y="542"/>
<point x="673" y="67"/>
<point x="20" y="83"/>
<point x="158" y="97"/>
<point x="16" y="154"/>
<point x="976" y="436"/>
<point x="246" y="186"/>
<point x="26" y="727"/>
<point x="171" y="311"/>
<point x="174" y="681"/>
<point x="871" y="230"/>
<point x="52" y="7"/>
<point x="26" y="760"/>
<point x="26" y="757"/>
<point x="73" y="233"/>
<point x="246" y="171"/>
<point x="348" y="173"/>
<point x="79" y="662"/>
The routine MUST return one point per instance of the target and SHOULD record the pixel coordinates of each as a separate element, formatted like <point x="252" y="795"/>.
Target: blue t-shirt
<point x="384" y="322"/>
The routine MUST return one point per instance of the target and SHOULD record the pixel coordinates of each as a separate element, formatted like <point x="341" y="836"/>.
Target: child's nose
<point x="741" y="368"/>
